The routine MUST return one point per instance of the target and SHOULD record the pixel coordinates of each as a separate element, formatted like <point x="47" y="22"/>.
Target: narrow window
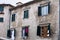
<point x="13" y="17"/>
<point x="1" y="8"/>
<point x="26" y="13"/>
<point x="25" y="31"/>
<point x="1" y="19"/>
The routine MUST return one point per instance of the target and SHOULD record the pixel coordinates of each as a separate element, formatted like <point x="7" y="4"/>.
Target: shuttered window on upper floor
<point x="1" y="20"/>
<point x="13" y="17"/>
<point x="26" y="13"/>
<point x="44" y="10"/>
<point x="1" y="8"/>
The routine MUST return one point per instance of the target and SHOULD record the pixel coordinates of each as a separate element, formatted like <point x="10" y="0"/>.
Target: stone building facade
<point x="34" y="20"/>
<point x="4" y="19"/>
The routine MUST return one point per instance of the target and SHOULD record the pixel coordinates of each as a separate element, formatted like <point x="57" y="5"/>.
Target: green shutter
<point x="38" y="31"/>
<point x="49" y="28"/>
<point x="39" y="11"/>
<point x="48" y="7"/>
<point x="15" y="32"/>
<point x="26" y="14"/>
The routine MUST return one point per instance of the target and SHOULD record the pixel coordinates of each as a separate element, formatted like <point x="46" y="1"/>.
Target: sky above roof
<point x="13" y="2"/>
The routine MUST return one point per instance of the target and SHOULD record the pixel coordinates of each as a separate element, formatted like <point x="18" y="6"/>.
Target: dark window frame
<point x="2" y="8"/>
<point x="1" y="19"/>
<point x="13" y="17"/>
<point x="24" y="28"/>
<point x="26" y="14"/>
<point x="39" y="30"/>
<point x="40" y="9"/>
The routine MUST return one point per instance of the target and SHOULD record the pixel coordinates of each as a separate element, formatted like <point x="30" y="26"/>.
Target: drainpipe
<point x="9" y="19"/>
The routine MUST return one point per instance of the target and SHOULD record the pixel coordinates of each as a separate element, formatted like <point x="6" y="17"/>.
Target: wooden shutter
<point x="15" y="32"/>
<point x="38" y="30"/>
<point x="1" y="19"/>
<point x="39" y="11"/>
<point x="9" y="33"/>
<point x="49" y="29"/>
<point x="49" y="7"/>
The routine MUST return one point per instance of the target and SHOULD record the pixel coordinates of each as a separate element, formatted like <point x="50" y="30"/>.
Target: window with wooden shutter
<point x="44" y="30"/>
<point x="13" y="17"/>
<point x="44" y="10"/>
<point x="9" y="33"/>
<point x="26" y="14"/>
<point x="1" y="19"/>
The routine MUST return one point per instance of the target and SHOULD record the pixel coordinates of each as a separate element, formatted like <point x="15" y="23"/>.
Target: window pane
<point x="44" y="10"/>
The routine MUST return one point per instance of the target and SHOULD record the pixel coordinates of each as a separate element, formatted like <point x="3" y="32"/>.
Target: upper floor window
<point x="1" y="8"/>
<point x="44" y="10"/>
<point x="1" y="19"/>
<point x="13" y="17"/>
<point x="44" y="31"/>
<point x="26" y="13"/>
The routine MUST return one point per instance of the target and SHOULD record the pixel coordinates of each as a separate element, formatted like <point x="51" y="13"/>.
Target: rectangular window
<point x="1" y="19"/>
<point x="25" y="31"/>
<point x="44" y="10"/>
<point x="43" y="31"/>
<point x="26" y="14"/>
<point x="13" y="17"/>
<point x="1" y="8"/>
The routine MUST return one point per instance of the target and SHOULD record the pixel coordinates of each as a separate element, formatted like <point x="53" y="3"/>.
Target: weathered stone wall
<point x="4" y="26"/>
